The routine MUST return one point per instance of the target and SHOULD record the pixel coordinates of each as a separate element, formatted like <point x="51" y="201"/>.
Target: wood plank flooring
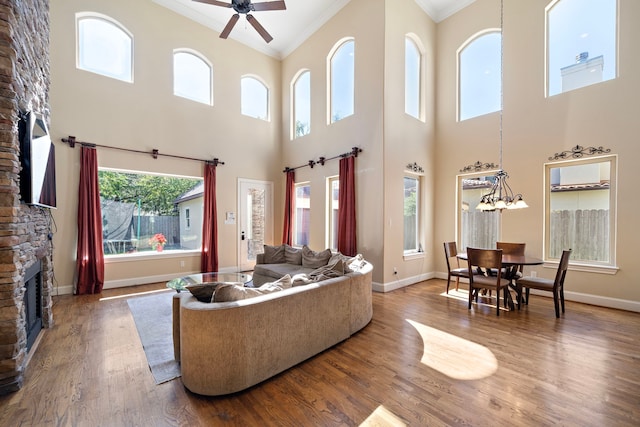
<point x="580" y="370"/>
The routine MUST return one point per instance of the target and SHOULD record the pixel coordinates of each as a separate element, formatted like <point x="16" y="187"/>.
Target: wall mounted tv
<point x="38" y="161"/>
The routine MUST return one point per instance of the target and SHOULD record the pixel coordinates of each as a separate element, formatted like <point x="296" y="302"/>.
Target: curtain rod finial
<point x="71" y="141"/>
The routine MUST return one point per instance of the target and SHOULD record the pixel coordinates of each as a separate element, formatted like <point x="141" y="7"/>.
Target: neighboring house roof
<point x="471" y="183"/>
<point x="575" y="187"/>
<point x="194" y="193"/>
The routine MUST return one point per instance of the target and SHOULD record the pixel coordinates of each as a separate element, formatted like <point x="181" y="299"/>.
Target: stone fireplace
<point x="25" y="231"/>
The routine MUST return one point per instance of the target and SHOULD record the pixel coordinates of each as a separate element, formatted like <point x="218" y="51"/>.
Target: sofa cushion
<point x="274" y="254"/>
<point x="313" y="259"/>
<point x="235" y="292"/>
<point x="292" y="255"/>
<point x="203" y="292"/>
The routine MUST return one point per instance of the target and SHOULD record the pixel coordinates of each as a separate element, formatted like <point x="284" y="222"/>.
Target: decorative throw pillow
<point x="292" y="255"/>
<point x="356" y="263"/>
<point x="328" y="271"/>
<point x="274" y="254"/>
<point x="313" y="259"/>
<point x="203" y="292"/>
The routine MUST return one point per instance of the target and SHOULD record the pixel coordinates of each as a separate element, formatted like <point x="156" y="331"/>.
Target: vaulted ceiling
<point x="290" y="27"/>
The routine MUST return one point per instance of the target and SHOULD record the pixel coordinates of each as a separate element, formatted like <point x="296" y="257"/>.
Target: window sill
<point x="408" y="256"/>
<point x="588" y="268"/>
<point x="150" y="255"/>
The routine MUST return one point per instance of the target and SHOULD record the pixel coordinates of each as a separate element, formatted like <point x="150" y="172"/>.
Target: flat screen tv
<point x="38" y="161"/>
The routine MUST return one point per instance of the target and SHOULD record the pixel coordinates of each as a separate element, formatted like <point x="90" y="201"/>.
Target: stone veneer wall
<point x="24" y="230"/>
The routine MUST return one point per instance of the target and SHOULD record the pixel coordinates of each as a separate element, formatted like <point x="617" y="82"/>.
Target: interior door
<point x="255" y="228"/>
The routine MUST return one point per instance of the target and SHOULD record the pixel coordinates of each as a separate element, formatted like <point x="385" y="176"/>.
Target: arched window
<point x="341" y="80"/>
<point x="192" y="76"/>
<point x="413" y="85"/>
<point x="254" y="98"/>
<point x="581" y="43"/>
<point x="479" y="75"/>
<point x="104" y="46"/>
<point x="301" y="105"/>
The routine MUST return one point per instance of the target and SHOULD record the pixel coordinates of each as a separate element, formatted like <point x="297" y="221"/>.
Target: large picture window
<point x="138" y="206"/>
<point x="104" y="46"/>
<point x="580" y="210"/>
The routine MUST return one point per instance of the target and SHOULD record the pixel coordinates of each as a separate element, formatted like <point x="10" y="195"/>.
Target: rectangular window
<point x="580" y="210"/>
<point x="141" y="211"/>
<point x="476" y="228"/>
<point x="411" y="214"/>
<point x="333" y="199"/>
<point x="302" y="219"/>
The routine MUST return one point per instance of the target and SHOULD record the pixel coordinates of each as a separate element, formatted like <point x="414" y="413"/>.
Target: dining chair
<point x="451" y="251"/>
<point x="486" y="260"/>
<point x="555" y="286"/>
<point x="509" y="248"/>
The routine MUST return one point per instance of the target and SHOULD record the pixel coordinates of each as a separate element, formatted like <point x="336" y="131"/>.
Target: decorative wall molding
<point x="579" y="151"/>
<point x="479" y="166"/>
<point x="414" y="167"/>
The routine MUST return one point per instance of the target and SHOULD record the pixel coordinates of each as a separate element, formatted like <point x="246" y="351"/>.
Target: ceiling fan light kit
<point x="244" y="7"/>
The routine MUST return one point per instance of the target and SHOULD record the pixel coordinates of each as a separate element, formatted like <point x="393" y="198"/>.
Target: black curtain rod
<point x="154" y="153"/>
<point x="322" y="160"/>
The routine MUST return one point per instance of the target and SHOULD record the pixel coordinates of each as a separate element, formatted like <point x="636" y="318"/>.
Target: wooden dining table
<point x="511" y="263"/>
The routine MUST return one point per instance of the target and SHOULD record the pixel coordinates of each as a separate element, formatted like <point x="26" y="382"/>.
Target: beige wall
<point x="363" y="21"/>
<point x="536" y="127"/>
<point x="407" y="140"/>
<point x="146" y="115"/>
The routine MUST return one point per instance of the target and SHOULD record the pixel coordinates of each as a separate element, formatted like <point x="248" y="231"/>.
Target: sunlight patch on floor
<point x="382" y="417"/>
<point x="135" y="294"/>
<point x="453" y="356"/>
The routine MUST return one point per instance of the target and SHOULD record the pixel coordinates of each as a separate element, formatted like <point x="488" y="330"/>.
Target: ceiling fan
<point x="246" y="6"/>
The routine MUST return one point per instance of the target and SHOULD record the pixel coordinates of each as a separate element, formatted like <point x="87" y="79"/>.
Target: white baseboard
<point x="598" y="300"/>
<point x="401" y="283"/>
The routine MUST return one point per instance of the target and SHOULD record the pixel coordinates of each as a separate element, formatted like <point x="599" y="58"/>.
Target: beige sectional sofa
<point x="226" y="347"/>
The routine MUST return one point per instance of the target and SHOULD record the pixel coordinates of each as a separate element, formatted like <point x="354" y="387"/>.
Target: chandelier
<point x="501" y="195"/>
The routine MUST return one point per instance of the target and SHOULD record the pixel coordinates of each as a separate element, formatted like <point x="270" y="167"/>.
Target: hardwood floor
<point x="523" y="368"/>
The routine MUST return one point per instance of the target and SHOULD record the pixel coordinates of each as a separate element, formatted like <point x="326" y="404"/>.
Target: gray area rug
<point x="153" y="318"/>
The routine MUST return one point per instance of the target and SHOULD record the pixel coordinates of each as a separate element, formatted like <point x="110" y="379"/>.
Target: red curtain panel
<point x="347" y="207"/>
<point x="209" y="258"/>
<point x="289" y="208"/>
<point x="90" y="254"/>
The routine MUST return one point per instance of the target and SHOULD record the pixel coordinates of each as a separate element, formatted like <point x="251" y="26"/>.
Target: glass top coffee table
<point x="181" y="283"/>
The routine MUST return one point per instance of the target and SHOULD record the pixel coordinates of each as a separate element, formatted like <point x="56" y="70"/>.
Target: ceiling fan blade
<point x="259" y="28"/>
<point x="227" y="29"/>
<point x="215" y="3"/>
<point x="269" y="5"/>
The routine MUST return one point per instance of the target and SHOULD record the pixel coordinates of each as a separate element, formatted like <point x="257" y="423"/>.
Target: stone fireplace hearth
<point x="25" y="243"/>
